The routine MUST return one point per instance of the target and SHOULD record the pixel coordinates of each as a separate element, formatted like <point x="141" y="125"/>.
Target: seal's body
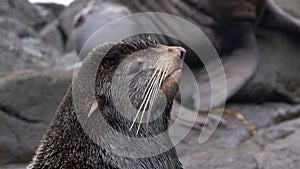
<point x="67" y="144"/>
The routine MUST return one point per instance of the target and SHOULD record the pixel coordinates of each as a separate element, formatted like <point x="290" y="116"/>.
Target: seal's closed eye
<point x="136" y="67"/>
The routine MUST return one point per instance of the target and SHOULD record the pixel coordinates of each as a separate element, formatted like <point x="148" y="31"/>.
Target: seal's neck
<point x="67" y="145"/>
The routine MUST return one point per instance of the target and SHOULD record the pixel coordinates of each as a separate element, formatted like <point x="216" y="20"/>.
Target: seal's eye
<point x="135" y="67"/>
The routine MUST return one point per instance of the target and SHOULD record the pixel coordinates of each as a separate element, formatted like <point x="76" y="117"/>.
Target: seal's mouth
<point x="176" y="72"/>
<point x="173" y="77"/>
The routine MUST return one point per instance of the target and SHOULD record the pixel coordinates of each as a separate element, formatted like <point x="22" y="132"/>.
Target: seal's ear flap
<point x="83" y="85"/>
<point x="93" y="108"/>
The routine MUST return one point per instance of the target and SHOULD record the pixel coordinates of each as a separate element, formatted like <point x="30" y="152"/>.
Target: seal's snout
<point x="179" y="51"/>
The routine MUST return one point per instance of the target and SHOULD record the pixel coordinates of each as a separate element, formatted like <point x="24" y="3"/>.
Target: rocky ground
<point x="37" y="55"/>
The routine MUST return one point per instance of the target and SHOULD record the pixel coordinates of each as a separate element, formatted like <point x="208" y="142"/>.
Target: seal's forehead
<point x="130" y="46"/>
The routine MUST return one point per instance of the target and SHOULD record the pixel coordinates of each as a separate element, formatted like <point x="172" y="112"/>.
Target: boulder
<point x="50" y="10"/>
<point x="20" y="29"/>
<point x="41" y="55"/>
<point x="30" y="53"/>
<point x="23" y="11"/>
<point x="231" y="147"/>
<point x="52" y="35"/>
<point x="27" y="103"/>
<point x="67" y="61"/>
<point x="14" y="166"/>
<point x="13" y="55"/>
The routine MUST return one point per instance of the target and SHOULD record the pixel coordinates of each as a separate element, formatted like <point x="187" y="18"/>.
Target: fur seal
<point x="66" y="144"/>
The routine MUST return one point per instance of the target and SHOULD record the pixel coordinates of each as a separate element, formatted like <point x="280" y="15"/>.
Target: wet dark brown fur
<point x="67" y="146"/>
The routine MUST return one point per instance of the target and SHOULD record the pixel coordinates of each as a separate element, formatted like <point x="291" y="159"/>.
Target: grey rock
<point x="27" y="103"/>
<point x="14" y="25"/>
<point x="267" y="114"/>
<point x="49" y="11"/>
<point x="23" y="11"/>
<point x="41" y="54"/>
<point x="233" y="134"/>
<point x="67" y="61"/>
<point x="277" y="76"/>
<point x="283" y="151"/>
<point x="13" y="56"/>
<point x="30" y="53"/>
<point x="52" y="35"/>
<point x="45" y="13"/>
<point x="276" y="146"/>
<point x="53" y="8"/>
<point x="242" y="157"/>
<point x="14" y="166"/>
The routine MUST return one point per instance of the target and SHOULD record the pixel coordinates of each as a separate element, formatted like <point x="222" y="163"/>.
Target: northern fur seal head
<point x="136" y="83"/>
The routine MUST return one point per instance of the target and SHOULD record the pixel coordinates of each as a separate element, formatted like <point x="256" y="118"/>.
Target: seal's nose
<point x="179" y="51"/>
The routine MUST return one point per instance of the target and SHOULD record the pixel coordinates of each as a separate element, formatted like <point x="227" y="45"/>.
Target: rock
<point x="27" y="103"/>
<point x="20" y="29"/>
<point x="51" y="9"/>
<point x="275" y="147"/>
<point x="13" y="56"/>
<point x="234" y="133"/>
<point x="52" y="35"/>
<point x="23" y="11"/>
<point x="14" y="166"/>
<point x="276" y="78"/>
<point x="41" y="54"/>
<point x="267" y="114"/>
<point x="284" y="151"/>
<point x="242" y="157"/>
<point x="67" y="61"/>
<point x="45" y="13"/>
<point x="30" y="53"/>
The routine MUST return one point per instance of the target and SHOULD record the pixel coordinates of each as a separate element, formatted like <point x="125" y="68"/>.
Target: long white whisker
<point x="146" y="91"/>
<point x="149" y="97"/>
<point x="157" y="86"/>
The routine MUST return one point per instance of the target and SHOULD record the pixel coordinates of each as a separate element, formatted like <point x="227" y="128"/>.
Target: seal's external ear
<point x="93" y="108"/>
<point x="83" y="85"/>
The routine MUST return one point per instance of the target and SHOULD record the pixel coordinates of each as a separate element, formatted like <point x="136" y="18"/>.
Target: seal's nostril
<point x="182" y="53"/>
<point x="179" y="51"/>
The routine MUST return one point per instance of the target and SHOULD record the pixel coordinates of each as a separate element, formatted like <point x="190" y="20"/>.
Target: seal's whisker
<point x="165" y="72"/>
<point x="146" y="91"/>
<point x="149" y="97"/>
